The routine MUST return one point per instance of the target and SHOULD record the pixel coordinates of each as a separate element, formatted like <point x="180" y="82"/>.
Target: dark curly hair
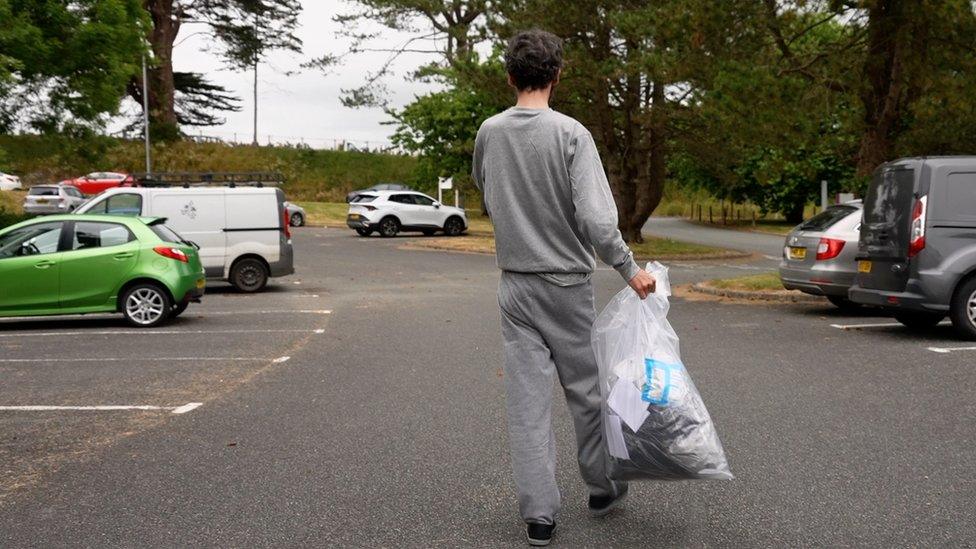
<point x="533" y="59"/>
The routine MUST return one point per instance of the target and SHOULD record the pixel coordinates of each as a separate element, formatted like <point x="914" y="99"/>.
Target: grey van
<point x="917" y="247"/>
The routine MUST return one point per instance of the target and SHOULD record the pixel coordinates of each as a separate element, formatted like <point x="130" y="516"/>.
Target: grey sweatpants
<point x="546" y="333"/>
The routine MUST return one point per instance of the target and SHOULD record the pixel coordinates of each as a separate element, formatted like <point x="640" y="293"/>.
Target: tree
<point x="66" y="63"/>
<point x="243" y="31"/>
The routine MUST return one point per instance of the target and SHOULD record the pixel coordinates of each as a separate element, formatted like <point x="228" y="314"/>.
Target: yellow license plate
<point x="353" y="216"/>
<point x="798" y="253"/>
<point x="42" y="201"/>
<point x="864" y="266"/>
<point x="201" y="283"/>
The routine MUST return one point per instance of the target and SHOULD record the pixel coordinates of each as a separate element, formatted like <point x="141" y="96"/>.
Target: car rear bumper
<point x="45" y="209"/>
<point x="908" y="299"/>
<point x="359" y="223"/>
<point x="816" y="281"/>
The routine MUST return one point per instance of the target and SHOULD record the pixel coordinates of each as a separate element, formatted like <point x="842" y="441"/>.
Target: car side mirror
<point x="437" y="204"/>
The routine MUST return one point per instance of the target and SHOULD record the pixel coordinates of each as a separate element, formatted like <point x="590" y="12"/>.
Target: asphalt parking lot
<point x="359" y="403"/>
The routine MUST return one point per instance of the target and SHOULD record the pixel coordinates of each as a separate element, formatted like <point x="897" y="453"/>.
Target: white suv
<point x="389" y="212"/>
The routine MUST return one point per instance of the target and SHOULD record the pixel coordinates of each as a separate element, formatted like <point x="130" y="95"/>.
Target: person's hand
<point x="643" y="283"/>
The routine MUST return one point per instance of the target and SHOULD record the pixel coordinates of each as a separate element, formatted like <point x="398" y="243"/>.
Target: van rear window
<point x="827" y="218"/>
<point x="889" y="198"/>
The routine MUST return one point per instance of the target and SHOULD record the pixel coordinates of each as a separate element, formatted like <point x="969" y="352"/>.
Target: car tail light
<point x="917" y="242"/>
<point x="172" y="253"/>
<point x="285" y="222"/>
<point x="829" y="248"/>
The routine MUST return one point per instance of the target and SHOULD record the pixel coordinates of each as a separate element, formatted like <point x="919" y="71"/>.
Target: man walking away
<point x="548" y="197"/>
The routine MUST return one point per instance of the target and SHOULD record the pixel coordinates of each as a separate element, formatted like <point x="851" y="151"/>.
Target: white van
<point x="242" y="232"/>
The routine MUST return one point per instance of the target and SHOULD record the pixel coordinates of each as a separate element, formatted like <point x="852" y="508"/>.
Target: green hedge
<point x="310" y="174"/>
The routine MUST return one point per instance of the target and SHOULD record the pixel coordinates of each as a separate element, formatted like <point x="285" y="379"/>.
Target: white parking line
<point x="946" y="350"/>
<point x="190" y="406"/>
<point x="143" y="359"/>
<point x="156" y="332"/>
<point x="875" y="325"/>
<point x="12" y="319"/>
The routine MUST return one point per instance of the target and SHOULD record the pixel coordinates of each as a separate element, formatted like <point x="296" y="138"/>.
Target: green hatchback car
<point x="79" y="264"/>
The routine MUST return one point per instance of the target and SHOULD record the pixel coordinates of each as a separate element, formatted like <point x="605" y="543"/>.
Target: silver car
<point x="52" y="199"/>
<point x="818" y="257"/>
<point x="296" y="214"/>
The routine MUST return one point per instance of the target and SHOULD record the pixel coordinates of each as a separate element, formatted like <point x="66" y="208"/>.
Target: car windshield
<point x="827" y="218"/>
<point x="43" y="191"/>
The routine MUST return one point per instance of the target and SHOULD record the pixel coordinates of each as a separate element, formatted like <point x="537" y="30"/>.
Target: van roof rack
<point x="207" y="179"/>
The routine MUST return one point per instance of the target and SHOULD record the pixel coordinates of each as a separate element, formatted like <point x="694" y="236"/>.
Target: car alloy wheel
<point x="972" y="309"/>
<point x="145" y="305"/>
<point x="453" y="227"/>
<point x="297" y="220"/>
<point x="389" y="227"/>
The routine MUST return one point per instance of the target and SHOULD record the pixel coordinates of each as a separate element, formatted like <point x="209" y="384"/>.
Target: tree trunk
<point x="650" y="190"/>
<point x="162" y="87"/>
<point x="794" y="215"/>
<point x="883" y="96"/>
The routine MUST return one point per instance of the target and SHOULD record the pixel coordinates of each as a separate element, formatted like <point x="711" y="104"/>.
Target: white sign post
<point x="444" y="183"/>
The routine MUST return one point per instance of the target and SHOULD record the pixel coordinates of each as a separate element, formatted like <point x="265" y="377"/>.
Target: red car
<point x="97" y="182"/>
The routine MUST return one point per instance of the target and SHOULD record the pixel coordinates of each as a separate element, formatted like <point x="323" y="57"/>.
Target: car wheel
<point x="146" y="305"/>
<point x="389" y="227"/>
<point x="179" y="309"/>
<point x="297" y="220"/>
<point x="843" y="303"/>
<point x="918" y="320"/>
<point x="963" y="310"/>
<point x="249" y="275"/>
<point x="453" y="226"/>
<point x="364" y="232"/>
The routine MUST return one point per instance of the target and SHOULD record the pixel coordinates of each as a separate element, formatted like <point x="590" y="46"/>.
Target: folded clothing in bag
<point x="657" y="426"/>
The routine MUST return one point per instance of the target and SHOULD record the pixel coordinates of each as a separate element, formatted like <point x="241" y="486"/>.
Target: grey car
<point x="818" y="256"/>
<point x="296" y="214"/>
<point x="52" y="199"/>
<point x="917" y="248"/>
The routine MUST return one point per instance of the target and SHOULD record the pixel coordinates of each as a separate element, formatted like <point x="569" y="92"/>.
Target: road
<point x="359" y="403"/>
<point x="767" y="245"/>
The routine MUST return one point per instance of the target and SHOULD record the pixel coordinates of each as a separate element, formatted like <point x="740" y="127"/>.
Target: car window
<point x="38" y="239"/>
<point x="961" y="205"/>
<point x="827" y="218"/>
<point x="422" y="200"/>
<point x="96" y="234"/>
<point x="123" y="204"/>
<point x="402" y="199"/>
<point x="99" y="207"/>
<point x="364" y="198"/>
<point x="73" y="192"/>
<point x="43" y="191"/>
<point x="166" y="234"/>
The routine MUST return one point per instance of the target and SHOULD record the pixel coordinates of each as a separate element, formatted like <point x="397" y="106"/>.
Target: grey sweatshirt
<point x="548" y="196"/>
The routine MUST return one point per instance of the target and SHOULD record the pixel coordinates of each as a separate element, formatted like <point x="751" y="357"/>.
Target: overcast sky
<point x="305" y="105"/>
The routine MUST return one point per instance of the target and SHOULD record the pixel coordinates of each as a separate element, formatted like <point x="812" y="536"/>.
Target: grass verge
<point x="10" y="208"/>
<point x="754" y="283"/>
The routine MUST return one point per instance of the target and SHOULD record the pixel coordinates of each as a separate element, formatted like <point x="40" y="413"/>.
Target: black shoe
<point x="540" y="534"/>
<point x="601" y="505"/>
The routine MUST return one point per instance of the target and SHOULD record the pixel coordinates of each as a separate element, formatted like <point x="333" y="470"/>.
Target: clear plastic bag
<point x="657" y="426"/>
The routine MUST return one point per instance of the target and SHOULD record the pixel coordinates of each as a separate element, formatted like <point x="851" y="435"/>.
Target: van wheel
<point x="389" y="227"/>
<point x="249" y="275"/>
<point x="963" y="310"/>
<point x="843" y="303"/>
<point x="453" y="226"/>
<point x="146" y="305"/>
<point x="918" y="320"/>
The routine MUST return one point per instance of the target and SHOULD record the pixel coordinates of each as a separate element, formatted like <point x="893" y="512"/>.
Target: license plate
<point x="201" y="283"/>
<point x="353" y="216"/>
<point x="798" y="253"/>
<point x="42" y="201"/>
<point x="864" y="266"/>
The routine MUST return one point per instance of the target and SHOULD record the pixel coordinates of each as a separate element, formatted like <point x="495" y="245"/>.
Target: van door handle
<point x="123" y="255"/>
<point x="45" y="264"/>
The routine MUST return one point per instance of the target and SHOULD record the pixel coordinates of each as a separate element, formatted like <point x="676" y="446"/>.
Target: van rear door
<point x="885" y="232"/>
<point x="198" y="216"/>
<point x="254" y="222"/>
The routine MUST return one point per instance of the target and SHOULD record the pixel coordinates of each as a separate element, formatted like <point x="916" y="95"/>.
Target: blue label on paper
<point x="658" y="386"/>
